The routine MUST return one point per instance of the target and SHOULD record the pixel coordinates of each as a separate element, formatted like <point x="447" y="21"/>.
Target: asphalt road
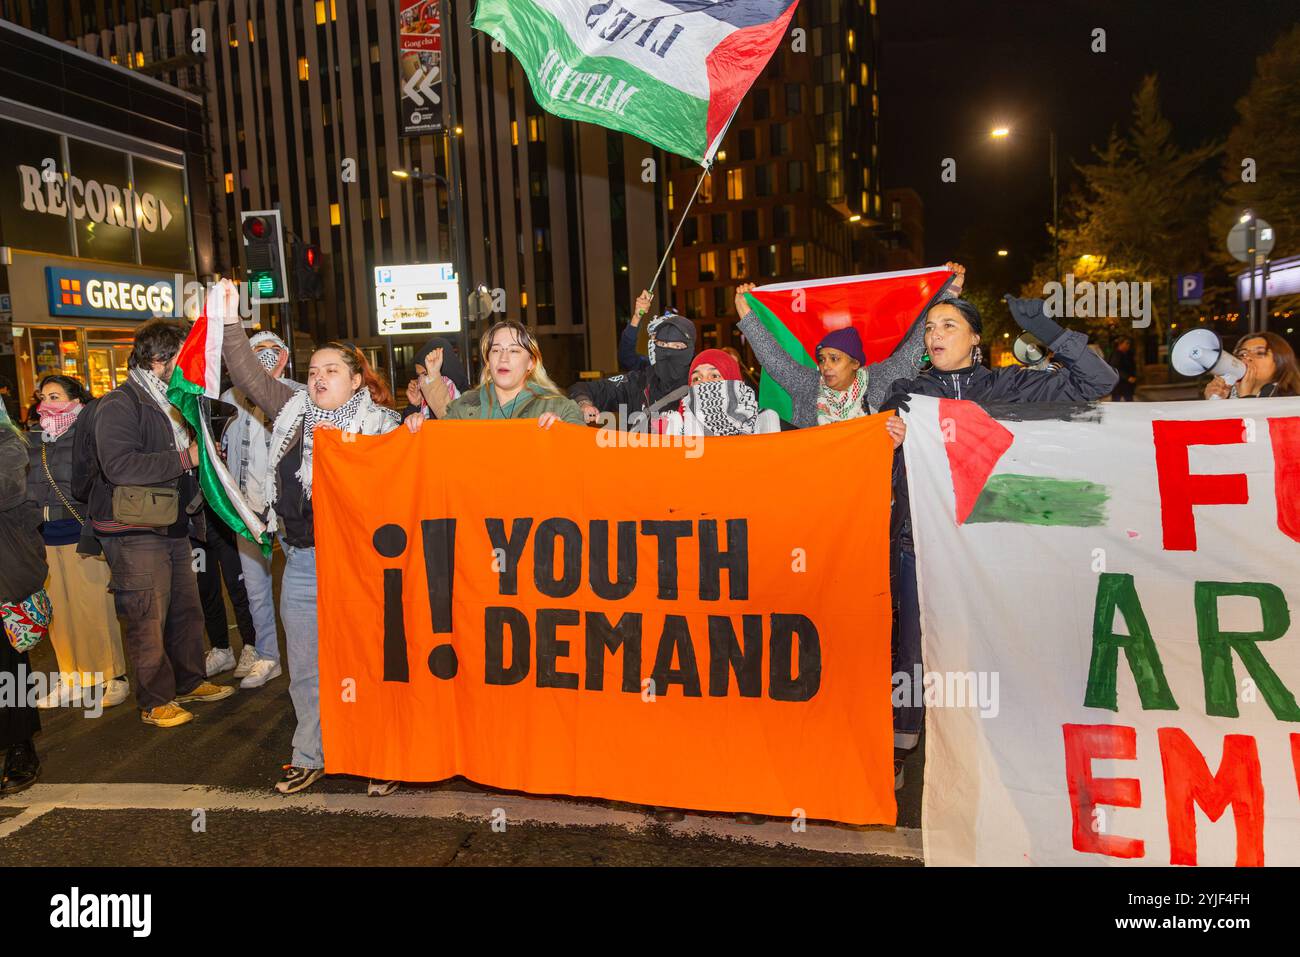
<point x="115" y="791"/>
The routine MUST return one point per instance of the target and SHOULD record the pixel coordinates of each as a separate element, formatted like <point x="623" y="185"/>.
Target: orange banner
<point x="702" y="626"/>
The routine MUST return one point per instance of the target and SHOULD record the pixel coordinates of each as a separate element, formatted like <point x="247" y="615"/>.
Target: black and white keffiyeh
<point x="157" y="390"/>
<point x="723" y="407"/>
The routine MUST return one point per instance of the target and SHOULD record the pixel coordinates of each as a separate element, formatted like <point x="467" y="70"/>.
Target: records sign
<point x="419" y="58"/>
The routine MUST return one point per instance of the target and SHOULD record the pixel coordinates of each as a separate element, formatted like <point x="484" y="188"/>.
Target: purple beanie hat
<point x="847" y="341"/>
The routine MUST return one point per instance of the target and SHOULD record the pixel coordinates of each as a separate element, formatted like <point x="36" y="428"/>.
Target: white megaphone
<point x="1201" y="351"/>
<point x="1029" y="351"/>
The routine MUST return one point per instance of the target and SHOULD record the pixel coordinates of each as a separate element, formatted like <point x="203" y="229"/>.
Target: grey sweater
<point x="802" y="382"/>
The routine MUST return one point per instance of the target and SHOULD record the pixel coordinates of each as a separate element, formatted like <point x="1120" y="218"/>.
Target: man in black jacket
<point x="141" y="440"/>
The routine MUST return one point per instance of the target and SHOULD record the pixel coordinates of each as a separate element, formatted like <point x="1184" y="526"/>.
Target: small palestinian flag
<point x="672" y="72"/>
<point x="881" y="306"/>
<point x="195" y="381"/>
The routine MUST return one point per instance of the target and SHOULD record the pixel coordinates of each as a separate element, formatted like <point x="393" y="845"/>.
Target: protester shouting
<point x="440" y="380"/>
<point x="514" y="383"/>
<point x="145" y="504"/>
<point x="246" y="444"/>
<point x="953" y="328"/>
<point x="1271" y="369"/>
<point x="720" y="402"/>
<point x="843" y="386"/>
<point x="649" y="388"/>
<point x="84" y="629"/>
<point x="342" y="393"/>
<point x="24" y="607"/>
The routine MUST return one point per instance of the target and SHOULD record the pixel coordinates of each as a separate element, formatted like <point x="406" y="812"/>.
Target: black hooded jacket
<point x="638" y="390"/>
<point x="1084" y="377"/>
<point x="452" y="366"/>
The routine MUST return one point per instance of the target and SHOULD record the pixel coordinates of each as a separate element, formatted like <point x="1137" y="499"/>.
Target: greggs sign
<point x="81" y="292"/>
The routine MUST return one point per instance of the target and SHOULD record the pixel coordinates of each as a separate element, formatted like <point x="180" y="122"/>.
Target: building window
<point x="748" y="145"/>
<point x="230" y="182"/>
<point x="320" y="11"/>
<point x="706" y="189"/>
<point x="866" y="74"/>
<point x="777" y="141"/>
<point x="762" y="104"/>
<point x="723" y="302"/>
<point x="852" y="38"/>
<point x="740" y="263"/>
<point x="798" y="254"/>
<point x="763" y="180"/>
<point x="794" y="176"/>
<point x="735" y="184"/>
<point x="690" y="231"/>
<point x="708" y="266"/>
<point x="252" y="37"/>
<point x="537" y="184"/>
<point x="793" y="99"/>
<point x="514" y="132"/>
<point x="374" y="53"/>
<point x="749" y="225"/>
<point x="781" y="220"/>
<point x="672" y="271"/>
<point x="139" y="58"/>
<point x="670" y="196"/>
<point x="334" y="214"/>
<point x="536" y="129"/>
<point x="232" y="36"/>
<point x="304" y="71"/>
<point x="767" y="261"/>
<point x="718" y="228"/>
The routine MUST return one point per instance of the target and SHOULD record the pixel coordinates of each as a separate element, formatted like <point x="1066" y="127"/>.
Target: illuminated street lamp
<point x="1003" y="252"/>
<point x="1002" y="132"/>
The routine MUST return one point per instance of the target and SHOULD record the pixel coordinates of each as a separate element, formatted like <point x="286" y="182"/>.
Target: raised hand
<point x="742" y="307"/>
<point x="959" y="280"/>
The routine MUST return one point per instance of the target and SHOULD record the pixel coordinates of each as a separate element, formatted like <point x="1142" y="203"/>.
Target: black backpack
<point x="85" y="455"/>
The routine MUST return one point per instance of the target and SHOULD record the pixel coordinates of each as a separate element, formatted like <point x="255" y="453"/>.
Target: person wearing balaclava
<point x="246" y="443"/>
<point x="440" y="379"/>
<point x="647" y="392"/>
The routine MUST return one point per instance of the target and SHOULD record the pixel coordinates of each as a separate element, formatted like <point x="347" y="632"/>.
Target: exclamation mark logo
<point x="440" y="570"/>
<point x="390" y="541"/>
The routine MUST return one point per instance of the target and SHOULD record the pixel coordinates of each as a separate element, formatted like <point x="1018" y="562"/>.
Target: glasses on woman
<point x="1258" y="353"/>
<point x="514" y="352"/>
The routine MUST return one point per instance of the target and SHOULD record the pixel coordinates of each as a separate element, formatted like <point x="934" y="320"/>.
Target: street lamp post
<point x="1003" y="131"/>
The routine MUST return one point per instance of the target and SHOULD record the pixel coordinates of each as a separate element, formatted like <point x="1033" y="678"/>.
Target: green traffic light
<point x="264" y="283"/>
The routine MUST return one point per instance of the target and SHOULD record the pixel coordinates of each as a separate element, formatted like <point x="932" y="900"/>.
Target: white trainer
<point x="115" y="691"/>
<point x="263" y="670"/>
<point x="218" y="660"/>
<point x="66" y="692"/>
<point x="247" y="658"/>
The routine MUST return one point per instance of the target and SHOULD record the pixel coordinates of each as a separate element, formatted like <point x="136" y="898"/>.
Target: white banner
<point x="1125" y="573"/>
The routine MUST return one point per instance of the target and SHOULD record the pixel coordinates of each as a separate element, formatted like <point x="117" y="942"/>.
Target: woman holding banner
<point x="342" y="392"/>
<point x="514" y="384"/>
<point x="1270" y="369"/>
<point x="952" y="341"/>
<point x="842" y="386"/>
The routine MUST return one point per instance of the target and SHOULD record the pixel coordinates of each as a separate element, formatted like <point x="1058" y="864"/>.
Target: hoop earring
<point x="977" y="357"/>
<point x="924" y="364"/>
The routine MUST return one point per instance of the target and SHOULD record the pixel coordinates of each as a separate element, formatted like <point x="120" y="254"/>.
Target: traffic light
<point x="307" y="263"/>
<point x="264" y="256"/>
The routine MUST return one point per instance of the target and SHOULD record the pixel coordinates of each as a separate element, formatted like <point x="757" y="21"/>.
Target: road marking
<point x="478" y="806"/>
<point x="25" y="816"/>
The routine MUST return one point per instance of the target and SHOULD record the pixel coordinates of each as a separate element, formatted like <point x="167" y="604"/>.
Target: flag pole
<point x="708" y="169"/>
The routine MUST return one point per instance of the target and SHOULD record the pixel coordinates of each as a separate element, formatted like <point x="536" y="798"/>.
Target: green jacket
<point x="529" y="404"/>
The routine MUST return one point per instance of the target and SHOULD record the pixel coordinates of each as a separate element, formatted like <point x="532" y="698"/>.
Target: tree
<point x="1268" y="135"/>
<point x="1139" y="213"/>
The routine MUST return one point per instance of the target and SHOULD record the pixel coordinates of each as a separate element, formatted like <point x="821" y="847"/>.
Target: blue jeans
<point x="261" y="599"/>
<point x="909" y="717"/>
<point x="298" y="612"/>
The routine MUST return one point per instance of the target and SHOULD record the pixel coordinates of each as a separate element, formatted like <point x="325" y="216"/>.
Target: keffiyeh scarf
<point x="358" y="414"/>
<point x="54" y="421"/>
<point x="157" y="390"/>
<point x="835" y="406"/>
<point x="723" y="407"/>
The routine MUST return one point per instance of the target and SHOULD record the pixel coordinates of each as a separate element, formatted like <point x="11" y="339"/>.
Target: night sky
<point x="952" y="70"/>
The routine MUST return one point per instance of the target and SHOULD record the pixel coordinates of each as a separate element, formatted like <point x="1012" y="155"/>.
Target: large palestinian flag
<point x="671" y="72"/>
<point x="196" y="380"/>
<point x="881" y="306"/>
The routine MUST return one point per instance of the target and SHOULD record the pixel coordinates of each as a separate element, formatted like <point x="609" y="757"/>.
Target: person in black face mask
<point x="654" y="388"/>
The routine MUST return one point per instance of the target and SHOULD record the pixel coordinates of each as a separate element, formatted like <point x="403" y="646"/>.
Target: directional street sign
<point x="422" y="298"/>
